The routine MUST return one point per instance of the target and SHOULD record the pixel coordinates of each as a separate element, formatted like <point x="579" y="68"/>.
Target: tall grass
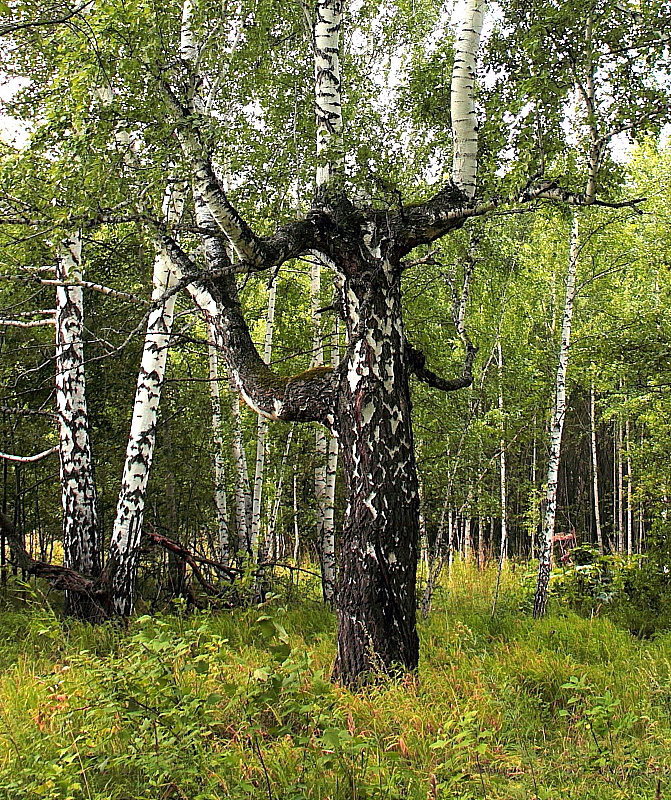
<point x="238" y="705"/>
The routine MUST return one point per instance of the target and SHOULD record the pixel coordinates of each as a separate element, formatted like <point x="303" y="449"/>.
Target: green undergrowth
<point x="238" y="705"/>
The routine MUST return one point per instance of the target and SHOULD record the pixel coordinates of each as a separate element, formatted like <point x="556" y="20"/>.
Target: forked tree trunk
<point x="556" y="429"/>
<point x="81" y="545"/>
<point x="378" y="555"/>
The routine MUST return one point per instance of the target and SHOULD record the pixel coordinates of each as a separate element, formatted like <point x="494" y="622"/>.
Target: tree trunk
<point x="218" y="450"/>
<point x="243" y="494"/>
<point x="556" y="429"/>
<point x="620" y="491"/>
<point x="630" y="504"/>
<point x="81" y="546"/>
<point x="503" y="483"/>
<point x="121" y="567"/>
<point x="595" y="467"/>
<point x="378" y="557"/>
<point x="256" y="540"/>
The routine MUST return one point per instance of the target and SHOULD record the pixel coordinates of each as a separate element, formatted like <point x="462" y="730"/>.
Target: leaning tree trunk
<point x="122" y="563"/>
<point x="378" y="554"/>
<point x="556" y="430"/>
<point x="81" y="546"/>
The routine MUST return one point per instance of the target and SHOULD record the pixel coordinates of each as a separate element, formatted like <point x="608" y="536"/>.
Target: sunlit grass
<point x="238" y="705"/>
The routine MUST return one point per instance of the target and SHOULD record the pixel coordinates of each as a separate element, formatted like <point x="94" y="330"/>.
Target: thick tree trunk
<point x="378" y="555"/>
<point x="81" y="546"/>
<point x="556" y="429"/>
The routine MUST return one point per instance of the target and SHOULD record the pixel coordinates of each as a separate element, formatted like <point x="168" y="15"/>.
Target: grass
<point x="238" y="705"/>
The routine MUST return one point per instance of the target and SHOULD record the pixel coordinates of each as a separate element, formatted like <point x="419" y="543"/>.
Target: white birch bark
<point x="595" y="467"/>
<point x="620" y="491"/>
<point x="262" y="427"/>
<point x="297" y="539"/>
<point x="328" y="105"/>
<point x="279" y="489"/>
<point x="218" y="446"/>
<point x="503" y="482"/>
<point x="534" y="496"/>
<point x="630" y="505"/>
<point x="125" y="540"/>
<point x="78" y="491"/>
<point x="467" y="22"/>
<point x="557" y="427"/>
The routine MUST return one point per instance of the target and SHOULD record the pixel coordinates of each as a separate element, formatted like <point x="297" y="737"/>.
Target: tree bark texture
<point x="378" y="554"/>
<point x="81" y="545"/>
<point x="121" y="567"/>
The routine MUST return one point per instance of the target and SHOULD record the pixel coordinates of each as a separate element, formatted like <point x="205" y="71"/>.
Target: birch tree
<point x="557" y="428"/>
<point x="81" y="537"/>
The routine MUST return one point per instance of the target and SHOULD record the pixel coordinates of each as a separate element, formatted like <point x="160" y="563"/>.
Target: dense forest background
<point x="618" y="357"/>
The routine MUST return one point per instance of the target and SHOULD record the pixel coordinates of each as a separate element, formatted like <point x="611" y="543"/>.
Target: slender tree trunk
<point x="262" y="430"/>
<point x="81" y="545"/>
<point x="556" y="429"/>
<point x="534" y="496"/>
<point x="124" y="545"/>
<point x="595" y="467"/>
<point x="620" y="492"/>
<point x="503" y="466"/>
<point x="243" y="494"/>
<point x="297" y="540"/>
<point x="630" y="504"/>
<point x="328" y="547"/>
<point x="218" y="450"/>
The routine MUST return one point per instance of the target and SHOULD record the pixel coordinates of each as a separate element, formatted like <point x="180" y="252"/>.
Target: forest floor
<point x="238" y="705"/>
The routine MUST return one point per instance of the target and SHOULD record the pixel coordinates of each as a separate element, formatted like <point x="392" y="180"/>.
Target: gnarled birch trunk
<point x="380" y="537"/>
